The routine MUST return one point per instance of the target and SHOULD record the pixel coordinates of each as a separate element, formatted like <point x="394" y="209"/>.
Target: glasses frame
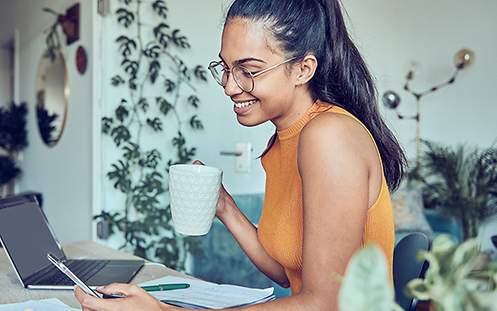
<point x="252" y="74"/>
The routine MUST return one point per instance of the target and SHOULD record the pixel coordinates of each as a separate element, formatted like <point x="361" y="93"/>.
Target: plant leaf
<point x="366" y="283"/>
<point x="151" y="159"/>
<point x="155" y="124"/>
<point x="194" y="101"/>
<point x="182" y="68"/>
<point x="143" y="104"/>
<point x="117" y="80"/>
<point x="164" y="105"/>
<point x="131" y="151"/>
<point x="161" y="36"/>
<point x="195" y="123"/>
<point x="154" y="70"/>
<point x="121" y="113"/>
<point x="120" y="134"/>
<point x="179" y="40"/>
<point x="130" y="67"/>
<point x="466" y="252"/>
<point x="200" y="73"/>
<point x="160" y="8"/>
<point x="152" y="51"/>
<point x="125" y="17"/>
<point x="107" y="124"/>
<point x="418" y="289"/>
<point x="169" y="85"/>
<point x="442" y="245"/>
<point x="126" y="46"/>
<point x="120" y="174"/>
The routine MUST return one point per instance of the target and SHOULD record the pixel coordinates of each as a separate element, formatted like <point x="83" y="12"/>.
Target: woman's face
<point x="246" y="43"/>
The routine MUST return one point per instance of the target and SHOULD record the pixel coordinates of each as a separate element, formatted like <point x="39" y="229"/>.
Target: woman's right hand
<point x="225" y="201"/>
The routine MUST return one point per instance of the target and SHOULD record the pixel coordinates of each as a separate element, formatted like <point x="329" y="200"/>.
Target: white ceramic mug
<point x="194" y="191"/>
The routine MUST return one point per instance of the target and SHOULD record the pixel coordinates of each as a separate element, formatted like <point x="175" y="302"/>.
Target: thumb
<point x="198" y="162"/>
<point x="116" y="288"/>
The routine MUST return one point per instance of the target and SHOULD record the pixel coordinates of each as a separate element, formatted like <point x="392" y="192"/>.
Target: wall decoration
<point x="52" y="97"/>
<point x="157" y="91"/>
<point x="69" y="23"/>
<point x="81" y="60"/>
<point x="462" y="59"/>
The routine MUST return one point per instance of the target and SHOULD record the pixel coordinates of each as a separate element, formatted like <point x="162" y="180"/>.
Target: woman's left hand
<point x="136" y="299"/>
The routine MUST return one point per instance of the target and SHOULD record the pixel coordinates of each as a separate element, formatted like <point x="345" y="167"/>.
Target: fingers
<point x="118" y="288"/>
<point x="198" y="162"/>
<point x="79" y="294"/>
<point x="92" y="303"/>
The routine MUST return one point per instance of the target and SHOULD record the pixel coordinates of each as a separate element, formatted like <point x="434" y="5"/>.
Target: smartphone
<point x="64" y="269"/>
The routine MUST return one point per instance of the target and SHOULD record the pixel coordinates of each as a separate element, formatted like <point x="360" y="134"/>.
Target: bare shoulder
<point x="338" y="130"/>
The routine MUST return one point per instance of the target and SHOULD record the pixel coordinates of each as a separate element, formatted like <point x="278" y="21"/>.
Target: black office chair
<point x="406" y="267"/>
<point x="493" y="238"/>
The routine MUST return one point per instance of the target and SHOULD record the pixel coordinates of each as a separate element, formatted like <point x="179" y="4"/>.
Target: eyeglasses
<point x="243" y="77"/>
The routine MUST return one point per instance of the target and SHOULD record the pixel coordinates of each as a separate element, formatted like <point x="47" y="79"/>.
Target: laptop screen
<point x="27" y="238"/>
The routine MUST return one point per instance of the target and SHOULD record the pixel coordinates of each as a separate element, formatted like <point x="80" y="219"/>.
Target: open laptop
<point x="27" y="238"/>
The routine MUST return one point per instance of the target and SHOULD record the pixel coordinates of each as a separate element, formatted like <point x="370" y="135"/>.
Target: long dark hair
<point x="317" y="27"/>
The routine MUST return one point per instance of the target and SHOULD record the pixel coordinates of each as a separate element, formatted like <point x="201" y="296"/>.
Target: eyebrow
<point x="244" y="60"/>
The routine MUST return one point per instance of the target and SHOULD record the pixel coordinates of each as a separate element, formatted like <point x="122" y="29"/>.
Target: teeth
<point x="245" y="104"/>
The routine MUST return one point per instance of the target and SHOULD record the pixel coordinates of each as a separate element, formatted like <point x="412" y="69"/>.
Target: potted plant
<point x="13" y="139"/>
<point x="461" y="182"/>
<point x="157" y="102"/>
<point x="459" y="278"/>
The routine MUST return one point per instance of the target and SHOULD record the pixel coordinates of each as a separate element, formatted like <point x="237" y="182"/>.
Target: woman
<point x="330" y="164"/>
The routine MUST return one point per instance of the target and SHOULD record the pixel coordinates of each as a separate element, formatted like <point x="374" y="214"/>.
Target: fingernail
<point x="100" y="287"/>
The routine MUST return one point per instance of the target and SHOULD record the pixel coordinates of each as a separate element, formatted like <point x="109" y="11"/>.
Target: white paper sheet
<point x="203" y="294"/>
<point x="51" y="304"/>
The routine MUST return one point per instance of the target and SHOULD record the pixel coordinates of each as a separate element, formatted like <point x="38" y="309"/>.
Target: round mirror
<point x="52" y="93"/>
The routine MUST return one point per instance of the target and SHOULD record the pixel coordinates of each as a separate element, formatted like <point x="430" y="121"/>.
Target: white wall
<point x="62" y="173"/>
<point x="204" y="27"/>
<point x="391" y="35"/>
<point x="5" y="76"/>
<point x="221" y="129"/>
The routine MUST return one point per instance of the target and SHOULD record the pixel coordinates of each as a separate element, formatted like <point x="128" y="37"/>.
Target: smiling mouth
<point x="245" y="104"/>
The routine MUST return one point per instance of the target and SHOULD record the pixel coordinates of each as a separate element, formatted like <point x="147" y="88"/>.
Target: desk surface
<point x="12" y="290"/>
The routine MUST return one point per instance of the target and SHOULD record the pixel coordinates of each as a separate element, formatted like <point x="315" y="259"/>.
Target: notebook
<point x="208" y="295"/>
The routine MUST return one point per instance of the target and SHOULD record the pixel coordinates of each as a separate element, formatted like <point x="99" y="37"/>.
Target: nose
<point x="231" y="88"/>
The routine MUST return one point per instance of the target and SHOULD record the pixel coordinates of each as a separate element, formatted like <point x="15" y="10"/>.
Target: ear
<point x="306" y="69"/>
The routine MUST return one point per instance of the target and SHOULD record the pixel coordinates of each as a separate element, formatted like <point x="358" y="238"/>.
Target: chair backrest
<point x="406" y="267"/>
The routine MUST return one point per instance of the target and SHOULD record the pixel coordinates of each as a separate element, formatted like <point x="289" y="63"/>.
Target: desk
<point x="12" y="290"/>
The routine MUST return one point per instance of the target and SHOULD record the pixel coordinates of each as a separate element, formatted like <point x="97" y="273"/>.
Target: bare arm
<point x="335" y="160"/>
<point x="245" y="233"/>
<point x="336" y="194"/>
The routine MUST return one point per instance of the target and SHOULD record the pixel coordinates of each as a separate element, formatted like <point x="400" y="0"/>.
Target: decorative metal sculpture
<point x="462" y="59"/>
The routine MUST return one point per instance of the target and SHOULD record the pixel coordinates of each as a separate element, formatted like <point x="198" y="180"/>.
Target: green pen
<point x="161" y="287"/>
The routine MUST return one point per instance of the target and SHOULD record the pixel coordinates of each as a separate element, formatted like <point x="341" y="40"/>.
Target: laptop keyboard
<point x="83" y="269"/>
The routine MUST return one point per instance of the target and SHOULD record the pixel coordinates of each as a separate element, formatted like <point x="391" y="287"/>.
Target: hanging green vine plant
<point x="150" y="67"/>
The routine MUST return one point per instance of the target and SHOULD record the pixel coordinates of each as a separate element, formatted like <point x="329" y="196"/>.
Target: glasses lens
<point x="218" y="72"/>
<point x="243" y="78"/>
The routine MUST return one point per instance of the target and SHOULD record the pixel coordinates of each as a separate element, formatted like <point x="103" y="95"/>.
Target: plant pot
<point x="7" y="189"/>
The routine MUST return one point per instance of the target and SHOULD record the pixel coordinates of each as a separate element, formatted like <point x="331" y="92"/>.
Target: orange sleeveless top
<point x="280" y="226"/>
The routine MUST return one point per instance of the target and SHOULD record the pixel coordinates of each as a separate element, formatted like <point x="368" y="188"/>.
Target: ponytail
<point x="342" y="78"/>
